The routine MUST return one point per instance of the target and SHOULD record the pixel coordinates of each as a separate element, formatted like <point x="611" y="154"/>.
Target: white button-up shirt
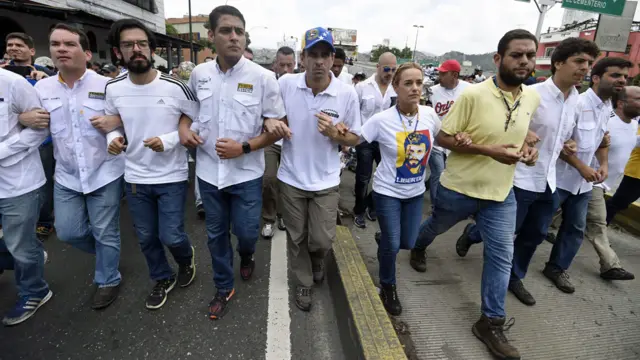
<point x="371" y="99"/>
<point x="592" y="118"/>
<point x="20" y="166"/>
<point x="553" y="122"/>
<point x="233" y="105"/>
<point x="82" y="162"/>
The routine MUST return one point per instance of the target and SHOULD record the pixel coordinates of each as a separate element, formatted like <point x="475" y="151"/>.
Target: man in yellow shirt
<point x="478" y="179"/>
<point x="629" y="189"/>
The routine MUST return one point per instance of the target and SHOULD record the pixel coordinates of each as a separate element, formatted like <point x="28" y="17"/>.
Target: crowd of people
<point x="266" y="149"/>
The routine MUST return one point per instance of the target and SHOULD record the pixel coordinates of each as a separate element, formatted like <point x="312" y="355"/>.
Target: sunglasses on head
<point x="388" y="69"/>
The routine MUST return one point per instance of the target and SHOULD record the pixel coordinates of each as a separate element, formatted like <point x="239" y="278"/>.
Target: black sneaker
<point x="318" y="271"/>
<point x="389" y="297"/>
<point x="517" y="288"/>
<point x="200" y="212"/>
<point x="303" y="298"/>
<point x="560" y="278"/>
<point x="158" y="295"/>
<point x="371" y="215"/>
<point x="186" y="273"/>
<point x="218" y="305"/>
<point x="378" y="237"/>
<point x="419" y="260"/>
<point x="551" y="237"/>
<point x="280" y="223"/>
<point x="105" y="296"/>
<point x="617" y="274"/>
<point x="359" y="221"/>
<point x="464" y="244"/>
<point x="247" y="265"/>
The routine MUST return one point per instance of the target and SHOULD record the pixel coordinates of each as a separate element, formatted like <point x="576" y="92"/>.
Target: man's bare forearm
<point x="185" y="121"/>
<point x="449" y="142"/>
<point x="602" y="154"/>
<point x="348" y="139"/>
<point x="573" y="161"/>
<point x="263" y="140"/>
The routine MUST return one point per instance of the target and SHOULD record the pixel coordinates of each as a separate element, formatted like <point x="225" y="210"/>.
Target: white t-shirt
<point x="147" y="111"/>
<point x="404" y="150"/>
<point x="442" y="100"/>
<point x="310" y="161"/>
<point x="623" y="141"/>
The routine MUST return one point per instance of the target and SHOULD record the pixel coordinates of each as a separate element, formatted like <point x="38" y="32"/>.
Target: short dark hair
<point x="217" y="13"/>
<point x="518" y="34"/>
<point x="285" y="50"/>
<point x="618" y="96"/>
<point x="126" y="24"/>
<point x="82" y="37"/>
<point x="571" y="47"/>
<point x="604" y="64"/>
<point x="340" y="54"/>
<point x="28" y="40"/>
<point x="249" y="51"/>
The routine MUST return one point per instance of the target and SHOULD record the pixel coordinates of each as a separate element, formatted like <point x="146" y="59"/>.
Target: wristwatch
<point x="246" y="148"/>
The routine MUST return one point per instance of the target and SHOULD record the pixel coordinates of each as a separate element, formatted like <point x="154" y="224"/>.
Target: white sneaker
<point x="46" y="257"/>
<point x="267" y="231"/>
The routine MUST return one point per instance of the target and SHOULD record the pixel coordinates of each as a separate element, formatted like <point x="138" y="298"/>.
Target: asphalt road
<point x="67" y="328"/>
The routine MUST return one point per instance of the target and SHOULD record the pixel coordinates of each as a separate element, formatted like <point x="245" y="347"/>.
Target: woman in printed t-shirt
<point x="405" y="133"/>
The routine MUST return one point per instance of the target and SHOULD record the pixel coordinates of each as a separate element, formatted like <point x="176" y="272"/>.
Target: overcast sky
<point x="470" y="26"/>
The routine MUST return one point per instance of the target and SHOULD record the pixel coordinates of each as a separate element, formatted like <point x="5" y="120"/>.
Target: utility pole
<point x="191" y="37"/>
<point x="418" y="27"/>
<point x="543" y="7"/>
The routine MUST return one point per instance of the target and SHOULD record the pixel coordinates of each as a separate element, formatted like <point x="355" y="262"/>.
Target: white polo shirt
<point x="82" y="163"/>
<point x="404" y="148"/>
<point x="233" y="105"/>
<point x="371" y="99"/>
<point x="554" y="122"/>
<point x="20" y="166"/>
<point x="592" y="118"/>
<point x="623" y="141"/>
<point x="148" y="111"/>
<point x="310" y="161"/>
<point x="442" y="99"/>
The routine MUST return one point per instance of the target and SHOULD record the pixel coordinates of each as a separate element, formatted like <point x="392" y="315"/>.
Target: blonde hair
<point x="402" y="68"/>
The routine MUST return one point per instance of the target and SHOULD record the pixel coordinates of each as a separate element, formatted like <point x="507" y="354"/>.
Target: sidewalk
<point x="601" y="320"/>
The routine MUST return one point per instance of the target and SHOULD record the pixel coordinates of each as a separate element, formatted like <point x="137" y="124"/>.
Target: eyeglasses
<point x="129" y="45"/>
<point x="388" y="69"/>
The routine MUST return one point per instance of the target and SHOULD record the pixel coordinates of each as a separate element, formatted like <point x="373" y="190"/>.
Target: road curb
<point x="628" y="219"/>
<point x="369" y="326"/>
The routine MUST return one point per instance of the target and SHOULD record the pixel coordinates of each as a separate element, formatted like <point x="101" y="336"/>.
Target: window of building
<point x="93" y="43"/>
<point x="548" y="51"/>
<point x="628" y="49"/>
<point x="149" y="5"/>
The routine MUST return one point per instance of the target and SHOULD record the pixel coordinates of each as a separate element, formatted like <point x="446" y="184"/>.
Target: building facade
<point x="198" y="23"/>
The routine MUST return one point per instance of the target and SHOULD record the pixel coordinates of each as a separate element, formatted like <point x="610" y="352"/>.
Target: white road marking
<point x="278" y="320"/>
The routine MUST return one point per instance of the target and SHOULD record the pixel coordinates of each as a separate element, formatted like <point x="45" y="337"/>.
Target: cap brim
<point x="314" y="43"/>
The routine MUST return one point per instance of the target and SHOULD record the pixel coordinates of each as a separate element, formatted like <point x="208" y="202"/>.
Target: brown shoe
<point x="491" y="333"/>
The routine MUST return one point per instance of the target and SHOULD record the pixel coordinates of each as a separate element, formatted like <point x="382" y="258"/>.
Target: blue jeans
<point x="366" y="153"/>
<point x="49" y="166"/>
<point x="91" y="223"/>
<point x="437" y="163"/>
<point x="571" y="232"/>
<point x="534" y="216"/>
<point x="20" y="249"/>
<point x="239" y="206"/>
<point x="158" y="217"/>
<point x="496" y="223"/>
<point x="399" y="221"/>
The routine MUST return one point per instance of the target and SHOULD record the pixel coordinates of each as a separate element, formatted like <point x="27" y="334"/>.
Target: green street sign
<point x="609" y="7"/>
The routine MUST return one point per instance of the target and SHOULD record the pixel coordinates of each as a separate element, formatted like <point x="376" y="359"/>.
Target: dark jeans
<point x="437" y="164"/>
<point x="158" y="218"/>
<point x="534" y="216"/>
<point x="627" y="193"/>
<point x="571" y="233"/>
<point x="399" y="221"/>
<point x="366" y="153"/>
<point x="49" y="165"/>
<point x="238" y="206"/>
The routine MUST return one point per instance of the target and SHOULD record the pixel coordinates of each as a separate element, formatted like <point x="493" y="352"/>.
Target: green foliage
<point x="171" y="30"/>
<point x="405" y="53"/>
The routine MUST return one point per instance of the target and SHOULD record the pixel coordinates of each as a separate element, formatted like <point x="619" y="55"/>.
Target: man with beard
<point x="150" y="104"/>
<point x="375" y="95"/>
<point x="320" y="111"/>
<point x="535" y="186"/>
<point x="622" y="127"/>
<point x="478" y="179"/>
<point x="284" y="64"/>
<point x="88" y="181"/>
<point x="236" y="97"/>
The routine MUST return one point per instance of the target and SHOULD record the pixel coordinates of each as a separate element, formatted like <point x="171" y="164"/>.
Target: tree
<point x="405" y="53"/>
<point x="206" y="43"/>
<point x="171" y="30"/>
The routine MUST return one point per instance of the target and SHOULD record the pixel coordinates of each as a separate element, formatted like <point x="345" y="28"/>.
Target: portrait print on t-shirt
<point x="413" y="152"/>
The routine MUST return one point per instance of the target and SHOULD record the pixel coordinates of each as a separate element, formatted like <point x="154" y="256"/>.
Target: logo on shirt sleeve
<point x="245" y="88"/>
<point x="96" y="95"/>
